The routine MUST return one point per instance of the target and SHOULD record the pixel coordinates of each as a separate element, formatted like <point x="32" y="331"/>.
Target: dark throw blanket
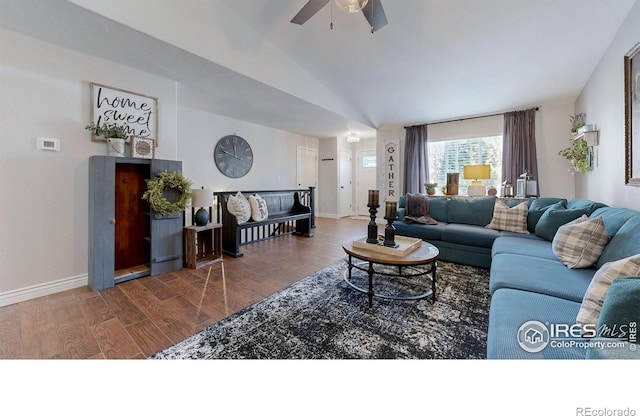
<point x="417" y="207"/>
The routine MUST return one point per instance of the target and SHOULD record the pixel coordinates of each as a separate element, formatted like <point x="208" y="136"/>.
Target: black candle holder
<point x="372" y="228"/>
<point x="390" y="233"/>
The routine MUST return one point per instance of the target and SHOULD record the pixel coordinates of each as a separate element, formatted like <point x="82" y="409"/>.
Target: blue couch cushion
<point x="422" y="231"/>
<point x="587" y="205"/>
<point x="625" y="243"/>
<point x="512" y="234"/>
<point x="614" y="218"/>
<point x="463" y="254"/>
<point x="620" y="306"/>
<point x="511" y="308"/>
<point x="540" y="275"/>
<point x="400" y="213"/>
<point x="534" y="247"/>
<point x="471" y="210"/>
<point x="553" y="219"/>
<point x="538" y="206"/>
<point x="472" y="235"/>
<point x="619" y="310"/>
<point x="438" y="208"/>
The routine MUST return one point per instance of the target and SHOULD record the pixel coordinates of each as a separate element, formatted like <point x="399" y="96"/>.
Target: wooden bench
<point x="289" y="212"/>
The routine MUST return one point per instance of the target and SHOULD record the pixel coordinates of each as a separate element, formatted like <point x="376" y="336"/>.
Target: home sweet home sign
<point x="138" y="113"/>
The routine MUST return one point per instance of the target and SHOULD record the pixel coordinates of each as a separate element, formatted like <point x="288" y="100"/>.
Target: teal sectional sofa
<point x="532" y="292"/>
<point x="461" y="234"/>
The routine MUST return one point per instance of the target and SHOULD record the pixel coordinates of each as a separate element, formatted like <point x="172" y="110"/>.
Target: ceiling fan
<point x="371" y="9"/>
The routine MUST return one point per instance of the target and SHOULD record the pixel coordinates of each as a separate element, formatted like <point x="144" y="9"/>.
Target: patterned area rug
<point x="321" y="317"/>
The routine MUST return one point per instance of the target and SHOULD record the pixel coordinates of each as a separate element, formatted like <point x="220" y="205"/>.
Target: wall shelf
<point x="591" y="137"/>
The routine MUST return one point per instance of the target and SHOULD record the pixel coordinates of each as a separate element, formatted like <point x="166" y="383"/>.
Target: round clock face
<point x="233" y="156"/>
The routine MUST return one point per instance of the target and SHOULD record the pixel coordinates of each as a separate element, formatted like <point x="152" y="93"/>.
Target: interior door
<point x="131" y="214"/>
<point x="346" y="183"/>
<point x="307" y="167"/>
<point x="365" y="178"/>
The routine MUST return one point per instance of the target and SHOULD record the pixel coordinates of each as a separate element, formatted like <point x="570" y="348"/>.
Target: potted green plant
<point x="430" y="187"/>
<point x="108" y="131"/>
<point x="577" y="120"/>
<point x="114" y="134"/>
<point x="578" y="155"/>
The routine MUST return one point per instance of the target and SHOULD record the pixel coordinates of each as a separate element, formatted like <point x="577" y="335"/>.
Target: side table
<point x="202" y="245"/>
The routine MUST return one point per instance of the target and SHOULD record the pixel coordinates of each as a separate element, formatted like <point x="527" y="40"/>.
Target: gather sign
<point x="137" y="113"/>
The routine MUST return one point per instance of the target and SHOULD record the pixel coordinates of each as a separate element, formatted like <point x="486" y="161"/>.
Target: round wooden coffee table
<point x="421" y="262"/>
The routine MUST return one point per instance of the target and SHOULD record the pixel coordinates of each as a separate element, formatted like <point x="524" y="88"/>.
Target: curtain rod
<point x="469" y="118"/>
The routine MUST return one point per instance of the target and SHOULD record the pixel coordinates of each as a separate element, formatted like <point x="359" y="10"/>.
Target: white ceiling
<point x="435" y="60"/>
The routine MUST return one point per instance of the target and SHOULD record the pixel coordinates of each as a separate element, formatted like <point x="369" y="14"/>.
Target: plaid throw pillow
<point x="599" y="287"/>
<point x="512" y="219"/>
<point x="579" y="243"/>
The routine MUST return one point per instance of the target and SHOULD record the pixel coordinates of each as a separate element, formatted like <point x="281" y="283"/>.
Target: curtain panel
<point x="416" y="159"/>
<point x="519" y="146"/>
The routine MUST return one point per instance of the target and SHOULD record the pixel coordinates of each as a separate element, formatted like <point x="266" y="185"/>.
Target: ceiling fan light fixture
<point x="353" y="138"/>
<point x="351" y="6"/>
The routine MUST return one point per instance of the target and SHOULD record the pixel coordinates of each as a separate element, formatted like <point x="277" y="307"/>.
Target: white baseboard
<point x="332" y="216"/>
<point x="36" y="291"/>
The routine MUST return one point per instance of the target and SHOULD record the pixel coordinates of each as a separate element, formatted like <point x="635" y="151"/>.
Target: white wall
<point x="274" y="152"/>
<point x="602" y="100"/>
<point x="44" y="198"/>
<point x="328" y="178"/>
<point x="552" y="134"/>
<point x="44" y="92"/>
<point x="553" y="131"/>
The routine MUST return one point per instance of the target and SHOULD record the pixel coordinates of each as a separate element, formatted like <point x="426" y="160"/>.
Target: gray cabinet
<point x="126" y="238"/>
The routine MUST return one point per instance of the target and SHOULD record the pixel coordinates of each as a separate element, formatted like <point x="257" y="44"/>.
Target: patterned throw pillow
<point x="238" y="205"/>
<point x="599" y="287"/>
<point x="512" y="219"/>
<point x="259" y="211"/>
<point x="579" y="243"/>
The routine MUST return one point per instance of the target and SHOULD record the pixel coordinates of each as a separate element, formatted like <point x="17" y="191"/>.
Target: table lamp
<point x="201" y="198"/>
<point x="476" y="172"/>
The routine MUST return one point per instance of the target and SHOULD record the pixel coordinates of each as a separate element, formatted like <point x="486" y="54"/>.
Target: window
<point x="450" y="156"/>
<point x="369" y="162"/>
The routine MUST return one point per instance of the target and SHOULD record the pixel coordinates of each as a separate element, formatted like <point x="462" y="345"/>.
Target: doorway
<point x="307" y="167"/>
<point x="365" y="178"/>
<point x="132" y="224"/>
<point x="346" y="183"/>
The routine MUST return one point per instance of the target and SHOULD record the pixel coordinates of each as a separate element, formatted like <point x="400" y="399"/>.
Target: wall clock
<point x="233" y="156"/>
<point x="142" y="147"/>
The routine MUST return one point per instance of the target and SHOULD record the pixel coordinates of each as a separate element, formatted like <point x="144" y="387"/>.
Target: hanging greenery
<point x="578" y="155"/>
<point x="168" y="181"/>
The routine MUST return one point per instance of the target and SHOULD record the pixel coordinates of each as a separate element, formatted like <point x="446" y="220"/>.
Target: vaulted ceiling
<point x="434" y="60"/>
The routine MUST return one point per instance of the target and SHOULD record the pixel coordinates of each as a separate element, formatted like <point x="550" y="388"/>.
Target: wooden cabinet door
<point x="102" y="171"/>
<point x="166" y="232"/>
<point x="110" y="205"/>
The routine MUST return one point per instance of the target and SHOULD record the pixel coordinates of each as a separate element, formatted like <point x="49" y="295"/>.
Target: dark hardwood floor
<point x="137" y="318"/>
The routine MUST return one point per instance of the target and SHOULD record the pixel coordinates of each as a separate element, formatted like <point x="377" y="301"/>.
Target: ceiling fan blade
<point x="308" y="10"/>
<point x="374" y="13"/>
